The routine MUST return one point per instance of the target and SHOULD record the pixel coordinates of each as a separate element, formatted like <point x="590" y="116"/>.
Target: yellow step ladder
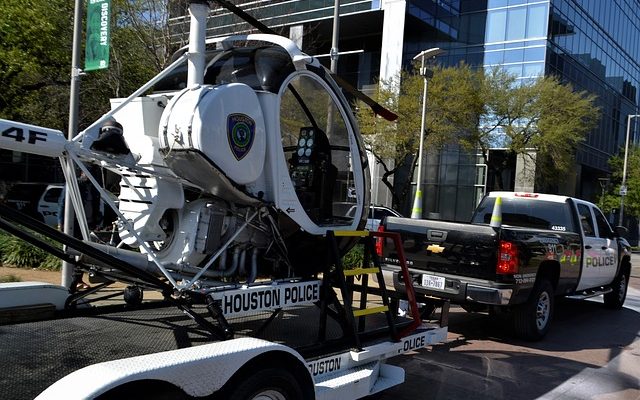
<point x="344" y="281"/>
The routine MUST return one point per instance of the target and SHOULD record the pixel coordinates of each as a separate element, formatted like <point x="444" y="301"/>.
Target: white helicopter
<point x="229" y="172"/>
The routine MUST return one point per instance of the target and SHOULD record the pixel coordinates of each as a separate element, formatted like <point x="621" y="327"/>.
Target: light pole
<point x="623" y="187"/>
<point x="603" y="185"/>
<point x="416" y="210"/>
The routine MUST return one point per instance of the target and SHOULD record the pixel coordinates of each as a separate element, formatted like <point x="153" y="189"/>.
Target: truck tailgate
<point x="446" y="247"/>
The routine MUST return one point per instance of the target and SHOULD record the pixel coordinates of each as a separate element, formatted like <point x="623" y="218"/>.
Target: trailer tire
<point x="270" y="383"/>
<point x="532" y="320"/>
<point x="614" y="300"/>
<point x="145" y="390"/>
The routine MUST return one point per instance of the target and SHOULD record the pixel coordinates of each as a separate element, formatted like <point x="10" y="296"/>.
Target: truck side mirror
<point x="620" y="231"/>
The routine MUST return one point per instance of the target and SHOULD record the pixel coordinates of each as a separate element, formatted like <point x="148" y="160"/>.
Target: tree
<point x="453" y="106"/>
<point x="611" y="198"/>
<point x="35" y="58"/>
<point x="478" y="111"/>
<point x="35" y="38"/>
<point x="545" y="116"/>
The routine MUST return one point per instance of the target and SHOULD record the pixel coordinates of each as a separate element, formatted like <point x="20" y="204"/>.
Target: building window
<point x="537" y="21"/>
<point x="496" y="25"/>
<point x="515" y="27"/>
<point x="533" y="70"/>
<point x="534" y="53"/>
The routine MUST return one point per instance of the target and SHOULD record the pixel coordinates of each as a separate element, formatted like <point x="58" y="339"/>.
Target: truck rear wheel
<point x="268" y="384"/>
<point x="532" y="319"/>
<point x="615" y="299"/>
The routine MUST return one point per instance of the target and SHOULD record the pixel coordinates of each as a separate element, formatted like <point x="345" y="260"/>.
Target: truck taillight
<point x="379" y="242"/>
<point x="507" y="258"/>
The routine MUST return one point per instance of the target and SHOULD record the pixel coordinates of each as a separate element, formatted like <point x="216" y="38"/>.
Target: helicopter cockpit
<point x="316" y="169"/>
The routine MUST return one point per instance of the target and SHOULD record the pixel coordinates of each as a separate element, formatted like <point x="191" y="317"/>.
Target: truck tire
<point x="268" y="384"/>
<point x="531" y="320"/>
<point x="614" y="300"/>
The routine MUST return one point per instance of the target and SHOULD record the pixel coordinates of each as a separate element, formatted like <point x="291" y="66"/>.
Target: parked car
<point x="376" y="214"/>
<point x="49" y="204"/>
<point x="42" y="202"/>
<point x="24" y="197"/>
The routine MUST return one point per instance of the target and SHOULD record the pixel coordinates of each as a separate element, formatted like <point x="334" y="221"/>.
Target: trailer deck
<point x="36" y="354"/>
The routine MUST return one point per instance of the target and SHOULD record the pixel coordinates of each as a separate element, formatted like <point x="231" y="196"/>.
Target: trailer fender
<point x="198" y="371"/>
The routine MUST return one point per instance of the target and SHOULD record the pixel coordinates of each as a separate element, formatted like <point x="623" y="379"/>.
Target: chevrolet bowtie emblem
<point x="434" y="248"/>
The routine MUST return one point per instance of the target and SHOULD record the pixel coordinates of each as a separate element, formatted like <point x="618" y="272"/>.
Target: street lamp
<point x="623" y="187"/>
<point x="416" y="211"/>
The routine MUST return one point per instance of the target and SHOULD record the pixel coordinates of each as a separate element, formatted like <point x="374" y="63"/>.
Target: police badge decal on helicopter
<point x="240" y="132"/>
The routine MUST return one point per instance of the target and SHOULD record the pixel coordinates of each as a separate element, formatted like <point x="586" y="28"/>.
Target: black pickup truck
<point x="544" y="246"/>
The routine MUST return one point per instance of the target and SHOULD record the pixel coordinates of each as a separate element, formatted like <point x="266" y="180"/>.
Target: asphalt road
<point x="590" y="353"/>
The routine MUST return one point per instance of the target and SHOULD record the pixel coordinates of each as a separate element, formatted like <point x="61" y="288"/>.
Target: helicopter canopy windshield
<point x="315" y="140"/>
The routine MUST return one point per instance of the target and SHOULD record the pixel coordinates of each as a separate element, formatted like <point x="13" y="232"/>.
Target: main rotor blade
<point x="376" y="107"/>
<point x="245" y="16"/>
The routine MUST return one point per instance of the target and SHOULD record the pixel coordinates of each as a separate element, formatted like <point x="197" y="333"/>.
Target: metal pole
<point x="67" y="269"/>
<point x="416" y="211"/>
<point x="624" y="168"/>
<point x="198" y="12"/>
<point x="334" y="39"/>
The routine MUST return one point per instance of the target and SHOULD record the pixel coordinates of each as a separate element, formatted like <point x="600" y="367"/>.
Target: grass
<point x="16" y="252"/>
<point x="9" y="278"/>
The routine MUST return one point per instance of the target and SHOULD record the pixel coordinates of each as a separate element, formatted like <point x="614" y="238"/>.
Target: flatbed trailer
<point x="105" y="347"/>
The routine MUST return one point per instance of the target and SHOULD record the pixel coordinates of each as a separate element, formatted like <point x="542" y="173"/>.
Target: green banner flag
<point x="98" y="35"/>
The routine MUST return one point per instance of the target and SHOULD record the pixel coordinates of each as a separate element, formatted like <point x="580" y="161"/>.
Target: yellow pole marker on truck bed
<point x="496" y="215"/>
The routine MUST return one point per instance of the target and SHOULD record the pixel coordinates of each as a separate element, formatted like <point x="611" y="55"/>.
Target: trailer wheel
<point x="615" y="299"/>
<point x="268" y="384"/>
<point x="145" y="390"/>
<point x="133" y="295"/>
<point x="532" y="319"/>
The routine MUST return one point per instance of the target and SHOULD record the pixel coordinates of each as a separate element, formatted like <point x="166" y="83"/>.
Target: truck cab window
<point x="604" y="230"/>
<point x="585" y="220"/>
<point x="528" y="213"/>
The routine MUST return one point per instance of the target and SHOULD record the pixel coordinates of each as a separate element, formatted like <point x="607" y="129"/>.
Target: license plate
<point x="430" y="281"/>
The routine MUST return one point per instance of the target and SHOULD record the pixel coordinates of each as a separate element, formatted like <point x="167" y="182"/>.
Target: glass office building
<point x="592" y="44"/>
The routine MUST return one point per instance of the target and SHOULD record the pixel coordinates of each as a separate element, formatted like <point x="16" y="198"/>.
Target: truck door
<point x="599" y="253"/>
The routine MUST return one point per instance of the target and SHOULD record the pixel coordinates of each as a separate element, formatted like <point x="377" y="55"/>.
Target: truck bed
<point x="467" y="246"/>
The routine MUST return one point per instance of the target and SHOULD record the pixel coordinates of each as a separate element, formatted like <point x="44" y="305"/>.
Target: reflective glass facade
<point x="592" y="44"/>
<point x="595" y="45"/>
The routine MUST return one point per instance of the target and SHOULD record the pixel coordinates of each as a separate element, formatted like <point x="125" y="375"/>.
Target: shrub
<point x="9" y="278"/>
<point x="18" y="253"/>
<point x="354" y="257"/>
